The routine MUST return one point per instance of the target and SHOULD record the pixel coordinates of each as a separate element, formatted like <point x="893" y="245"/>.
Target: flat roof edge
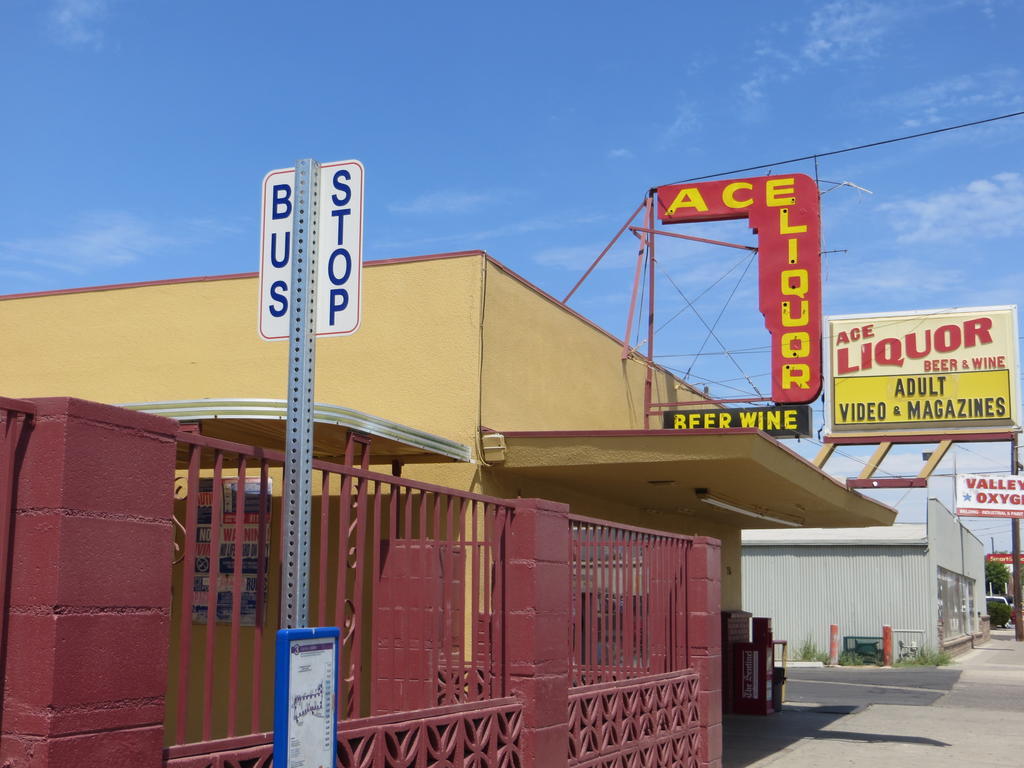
<point x="840" y="543"/>
<point x="216" y="278"/>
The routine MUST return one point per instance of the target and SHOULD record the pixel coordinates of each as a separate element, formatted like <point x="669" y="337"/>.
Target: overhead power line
<point x="852" y="149"/>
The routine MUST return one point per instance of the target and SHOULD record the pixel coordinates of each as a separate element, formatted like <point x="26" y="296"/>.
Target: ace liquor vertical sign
<point x="784" y="212"/>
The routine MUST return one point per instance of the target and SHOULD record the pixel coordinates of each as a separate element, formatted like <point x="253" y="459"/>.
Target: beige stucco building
<point x="469" y="375"/>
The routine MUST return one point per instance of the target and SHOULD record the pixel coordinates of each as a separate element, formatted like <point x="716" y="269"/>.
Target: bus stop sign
<point x="339" y="250"/>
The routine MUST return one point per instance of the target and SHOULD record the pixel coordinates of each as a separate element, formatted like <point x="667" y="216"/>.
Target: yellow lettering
<point x="791" y="420"/>
<point x="709" y="419"/>
<point x="785" y="228"/>
<point x="794" y="282"/>
<point x="688" y="197"/>
<point x="796" y="374"/>
<point x="694" y="420"/>
<point x="796" y="344"/>
<point x="679" y="421"/>
<point x="793" y="259"/>
<point x="787" y="318"/>
<point x="774" y="419"/>
<point x="775" y="188"/>
<point x="725" y="420"/>
<point x="748" y="419"/>
<point x="729" y="195"/>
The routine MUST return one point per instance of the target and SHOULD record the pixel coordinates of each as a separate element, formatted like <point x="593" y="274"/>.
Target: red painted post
<point x="886" y="645"/>
<point x="537" y="635"/>
<point x="833" y="645"/>
<point x="704" y="607"/>
<point x="90" y="590"/>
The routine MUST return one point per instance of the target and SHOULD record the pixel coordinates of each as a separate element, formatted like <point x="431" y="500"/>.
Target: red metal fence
<point x="476" y="735"/>
<point x="635" y="699"/>
<point x="629" y="611"/>
<point x="477" y="631"/>
<point x="412" y="574"/>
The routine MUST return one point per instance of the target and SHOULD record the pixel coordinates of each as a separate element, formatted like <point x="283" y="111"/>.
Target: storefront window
<point x="956" y="604"/>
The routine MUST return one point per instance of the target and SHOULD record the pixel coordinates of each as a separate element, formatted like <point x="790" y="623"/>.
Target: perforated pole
<point x="298" y="466"/>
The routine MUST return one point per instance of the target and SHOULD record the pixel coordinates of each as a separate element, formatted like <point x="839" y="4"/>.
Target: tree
<point x="996" y="575"/>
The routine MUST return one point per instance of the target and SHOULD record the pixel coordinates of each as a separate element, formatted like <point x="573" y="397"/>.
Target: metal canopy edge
<point x="324" y="413"/>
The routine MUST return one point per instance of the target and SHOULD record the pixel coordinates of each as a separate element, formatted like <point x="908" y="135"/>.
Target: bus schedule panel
<point x="306" y="697"/>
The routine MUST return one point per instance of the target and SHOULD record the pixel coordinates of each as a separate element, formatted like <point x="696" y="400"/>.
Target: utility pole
<point x="1018" y="622"/>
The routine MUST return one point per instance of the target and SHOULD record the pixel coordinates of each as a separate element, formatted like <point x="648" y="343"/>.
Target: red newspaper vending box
<point x="753" y="667"/>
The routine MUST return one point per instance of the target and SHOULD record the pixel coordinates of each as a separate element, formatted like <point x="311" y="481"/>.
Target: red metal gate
<point x="635" y="696"/>
<point x="412" y="573"/>
<point x="628" y="601"/>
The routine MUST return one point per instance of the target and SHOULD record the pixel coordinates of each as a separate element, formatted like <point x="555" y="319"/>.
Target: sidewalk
<point x="978" y="722"/>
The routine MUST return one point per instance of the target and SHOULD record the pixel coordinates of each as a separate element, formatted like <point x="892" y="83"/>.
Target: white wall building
<point x="925" y="580"/>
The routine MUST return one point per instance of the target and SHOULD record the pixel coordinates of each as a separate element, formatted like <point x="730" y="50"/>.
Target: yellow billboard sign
<point x="946" y="370"/>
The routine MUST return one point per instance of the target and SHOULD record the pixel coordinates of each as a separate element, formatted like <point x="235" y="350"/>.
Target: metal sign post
<point x="298" y="467"/>
<point x="296" y="207"/>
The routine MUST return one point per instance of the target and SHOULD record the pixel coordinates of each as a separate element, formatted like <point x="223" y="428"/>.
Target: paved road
<point x="855" y="688"/>
<point x="965" y="715"/>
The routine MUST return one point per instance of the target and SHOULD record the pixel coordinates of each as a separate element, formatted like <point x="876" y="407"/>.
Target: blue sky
<point x="137" y="133"/>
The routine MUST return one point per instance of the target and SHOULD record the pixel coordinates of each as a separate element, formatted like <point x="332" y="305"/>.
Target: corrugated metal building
<point x="925" y="580"/>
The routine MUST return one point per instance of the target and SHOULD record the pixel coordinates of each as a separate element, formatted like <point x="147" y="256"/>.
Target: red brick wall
<point x="704" y="590"/>
<point x="537" y="587"/>
<point x="86" y="660"/>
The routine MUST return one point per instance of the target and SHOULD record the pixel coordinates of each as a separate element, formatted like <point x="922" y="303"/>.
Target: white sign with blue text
<point x="339" y="250"/>
<point x="305" y="698"/>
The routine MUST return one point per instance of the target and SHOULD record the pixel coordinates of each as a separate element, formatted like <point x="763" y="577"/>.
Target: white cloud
<point x="442" y="202"/>
<point x="752" y="90"/>
<point x="847" y="30"/>
<point x="837" y="32"/>
<point x="684" y="122"/>
<point x="109" y="240"/>
<point x="76" y="22"/>
<point x="940" y="102"/>
<point x="983" y="209"/>
<point x="105" y="241"/>
<point x="570" y="256"/>
<point x="844" y="31"/>
<point x="204" y="229"/>
<point x="480" y="237"/>
<point x="854" y="282"/>
<point x="620" y="154"/>
<point x="579" y="257"/>
<point x="19" y="274"/>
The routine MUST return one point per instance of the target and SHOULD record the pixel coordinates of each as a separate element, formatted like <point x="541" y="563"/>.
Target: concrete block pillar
<point x="704" y="598"/>
<point x="537" y="579"/>
<point x="90" y="589"/>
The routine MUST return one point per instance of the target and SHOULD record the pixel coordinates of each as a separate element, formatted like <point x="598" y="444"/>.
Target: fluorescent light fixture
<point x="740" y="511"/>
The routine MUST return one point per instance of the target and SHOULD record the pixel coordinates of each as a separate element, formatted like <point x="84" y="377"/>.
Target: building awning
<point x="262" y="422"/>
<point x="744" y="476"/>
